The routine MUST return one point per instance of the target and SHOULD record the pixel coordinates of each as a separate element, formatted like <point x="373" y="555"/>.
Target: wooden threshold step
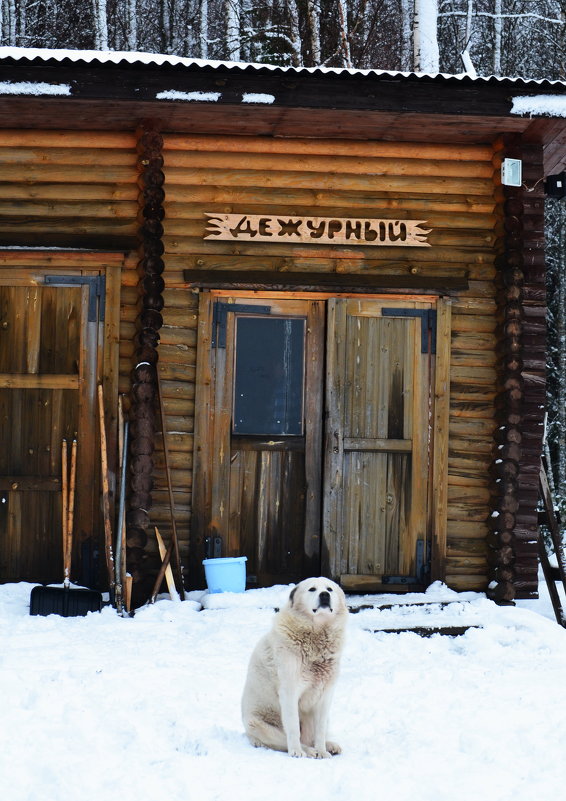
<point x="428" y="631"/>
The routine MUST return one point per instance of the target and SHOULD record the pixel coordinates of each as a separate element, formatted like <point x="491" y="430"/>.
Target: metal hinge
<point x="220" y="314"/>
<point x="428" y="323"/>
<point x="422" y="568"/>
<point x="96" y="291"/>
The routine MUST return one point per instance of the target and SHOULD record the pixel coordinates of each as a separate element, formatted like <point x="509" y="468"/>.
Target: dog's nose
<point x="324" y="598"/>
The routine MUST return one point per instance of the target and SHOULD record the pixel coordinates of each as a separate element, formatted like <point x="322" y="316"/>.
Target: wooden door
<point x="258" y="431"/>
<point x="49" y="354"/>
<point x="378" y="441"/>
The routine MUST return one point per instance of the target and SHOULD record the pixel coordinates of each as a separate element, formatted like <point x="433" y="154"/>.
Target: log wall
<point x="85" y="186"/>
<point x="82" y="184"/>
<point x="451" y="187"/>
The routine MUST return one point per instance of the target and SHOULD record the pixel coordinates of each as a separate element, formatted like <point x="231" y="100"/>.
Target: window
<point x="269" y="369"/>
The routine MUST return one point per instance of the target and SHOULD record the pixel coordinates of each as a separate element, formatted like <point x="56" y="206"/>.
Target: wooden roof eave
<point x="390" y="108"/>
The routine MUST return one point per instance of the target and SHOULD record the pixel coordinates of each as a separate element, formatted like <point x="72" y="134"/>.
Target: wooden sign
<point x="316" y="230"/>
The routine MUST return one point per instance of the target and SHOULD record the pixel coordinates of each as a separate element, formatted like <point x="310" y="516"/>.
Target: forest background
<point x="525" y="38"/>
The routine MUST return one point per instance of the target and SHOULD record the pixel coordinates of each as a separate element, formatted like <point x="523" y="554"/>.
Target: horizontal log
<point x="466" y="566"/>
<point x="477" y="375"/>
<point x="44" y="139"/>
<point x="467" y="510"/>
<point x="44" y="211"/>
<point x="466" y="323"/>
<point x="177" y="371"/>
<point x="472" y="358"/>
<point x="67" y="156"/>
<point x="177" y="460"/>
<point x="179" y="415"/>
<point x="65" y="259"/>
<point x="476" y="306"/>
<point x="320" y="198"/>
<point x="466" y="478"/>
<point x="179" y="478"/>
<point x="466" y="583"/>
<point x="181" y="498"/>
<point x="171" y="356"/>
<point x="472" y="427"/>
<point x="329" y="147"/>
<point x="479" y="496"/>
<point x="196" y="246"/>
<point x="473" y="341"/>
<point x="92" y="191"/>
<point x="66" y="227"/>
<point x="460" y="446"/>
<point x="179" y="441"/>
<point x="474" y="409"/>
<point x="465" y="547"/>
<point x="468" y="529"/>
<point x="61" y="174"/>
<point x="273" y="163"/>
<point x="322" y="180"/>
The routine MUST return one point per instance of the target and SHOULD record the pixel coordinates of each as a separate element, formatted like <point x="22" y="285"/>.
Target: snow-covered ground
<point x="147" y="708"/>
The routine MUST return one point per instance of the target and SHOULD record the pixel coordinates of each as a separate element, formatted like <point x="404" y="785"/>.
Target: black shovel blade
<point x="64" y="601"/>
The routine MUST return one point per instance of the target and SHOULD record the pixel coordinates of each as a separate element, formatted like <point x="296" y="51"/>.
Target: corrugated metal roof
<point x="122" y="58"/>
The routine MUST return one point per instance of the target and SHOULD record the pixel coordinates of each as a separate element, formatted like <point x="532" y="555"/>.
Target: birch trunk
<point x="313" y="13"/>
<point x="11" y="22"/>
<point x="203" y="29"/>
<point x="100" y="25"/>
<point x="132" y="36"/>
<point x="406" y="35"/>
<point x="497" y="30"/>
<point x="232" y="17"/>
<point x="294" y="33"/>
<point x="425" y="38"/>
<point x="344" y="33"/>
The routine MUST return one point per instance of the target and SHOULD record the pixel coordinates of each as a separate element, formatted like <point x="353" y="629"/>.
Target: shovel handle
<point x="64" y="502"/>
<point x="71" y="512"/>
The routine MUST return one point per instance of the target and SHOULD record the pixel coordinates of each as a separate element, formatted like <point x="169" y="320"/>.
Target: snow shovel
<point x="63" y="600"/>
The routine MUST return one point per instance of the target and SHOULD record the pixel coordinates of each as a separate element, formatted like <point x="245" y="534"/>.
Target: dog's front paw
<point x="317" y="753"/>
<point x="333" y="748"/>
<point x="296" y="752"/>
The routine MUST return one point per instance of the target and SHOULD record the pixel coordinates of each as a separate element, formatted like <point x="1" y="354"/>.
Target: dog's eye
<point x="329" y="589"/>
<point x="312" y="589"/>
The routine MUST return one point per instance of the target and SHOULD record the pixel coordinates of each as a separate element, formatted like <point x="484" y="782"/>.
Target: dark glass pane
<point x="268" y="391"/>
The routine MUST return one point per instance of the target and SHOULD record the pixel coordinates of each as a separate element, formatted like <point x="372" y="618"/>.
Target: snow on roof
<point x="33" y="88"/>
<point x="540" y="105"/>
<point x="159" y="59"/>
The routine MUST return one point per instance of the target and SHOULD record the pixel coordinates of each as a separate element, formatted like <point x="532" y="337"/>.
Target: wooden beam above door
<point x="259" y="280"/>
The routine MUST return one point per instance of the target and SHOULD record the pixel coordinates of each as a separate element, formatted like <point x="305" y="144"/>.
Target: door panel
<point x="46" y="353"/>
<point x="337" y="481"/>
<point x="257" y="478"/>
<point x="377" y="453"/>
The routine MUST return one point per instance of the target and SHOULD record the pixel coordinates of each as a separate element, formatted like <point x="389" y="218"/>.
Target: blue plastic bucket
<point x="225" y="574"/>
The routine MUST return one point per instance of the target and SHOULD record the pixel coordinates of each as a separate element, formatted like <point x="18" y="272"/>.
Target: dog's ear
<point x="292" y="596"/>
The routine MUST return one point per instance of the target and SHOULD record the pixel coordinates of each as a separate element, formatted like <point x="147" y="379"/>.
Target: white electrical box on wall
<point x="511" y="172"/>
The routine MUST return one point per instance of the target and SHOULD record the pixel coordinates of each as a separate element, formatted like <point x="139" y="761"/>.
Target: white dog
<point x="292" y="672"/>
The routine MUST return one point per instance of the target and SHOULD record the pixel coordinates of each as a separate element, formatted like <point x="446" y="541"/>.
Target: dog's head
<point x="319" y="599"/>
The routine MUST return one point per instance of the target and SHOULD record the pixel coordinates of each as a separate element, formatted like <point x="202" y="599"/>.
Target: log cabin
<point x="331" y="281"/>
